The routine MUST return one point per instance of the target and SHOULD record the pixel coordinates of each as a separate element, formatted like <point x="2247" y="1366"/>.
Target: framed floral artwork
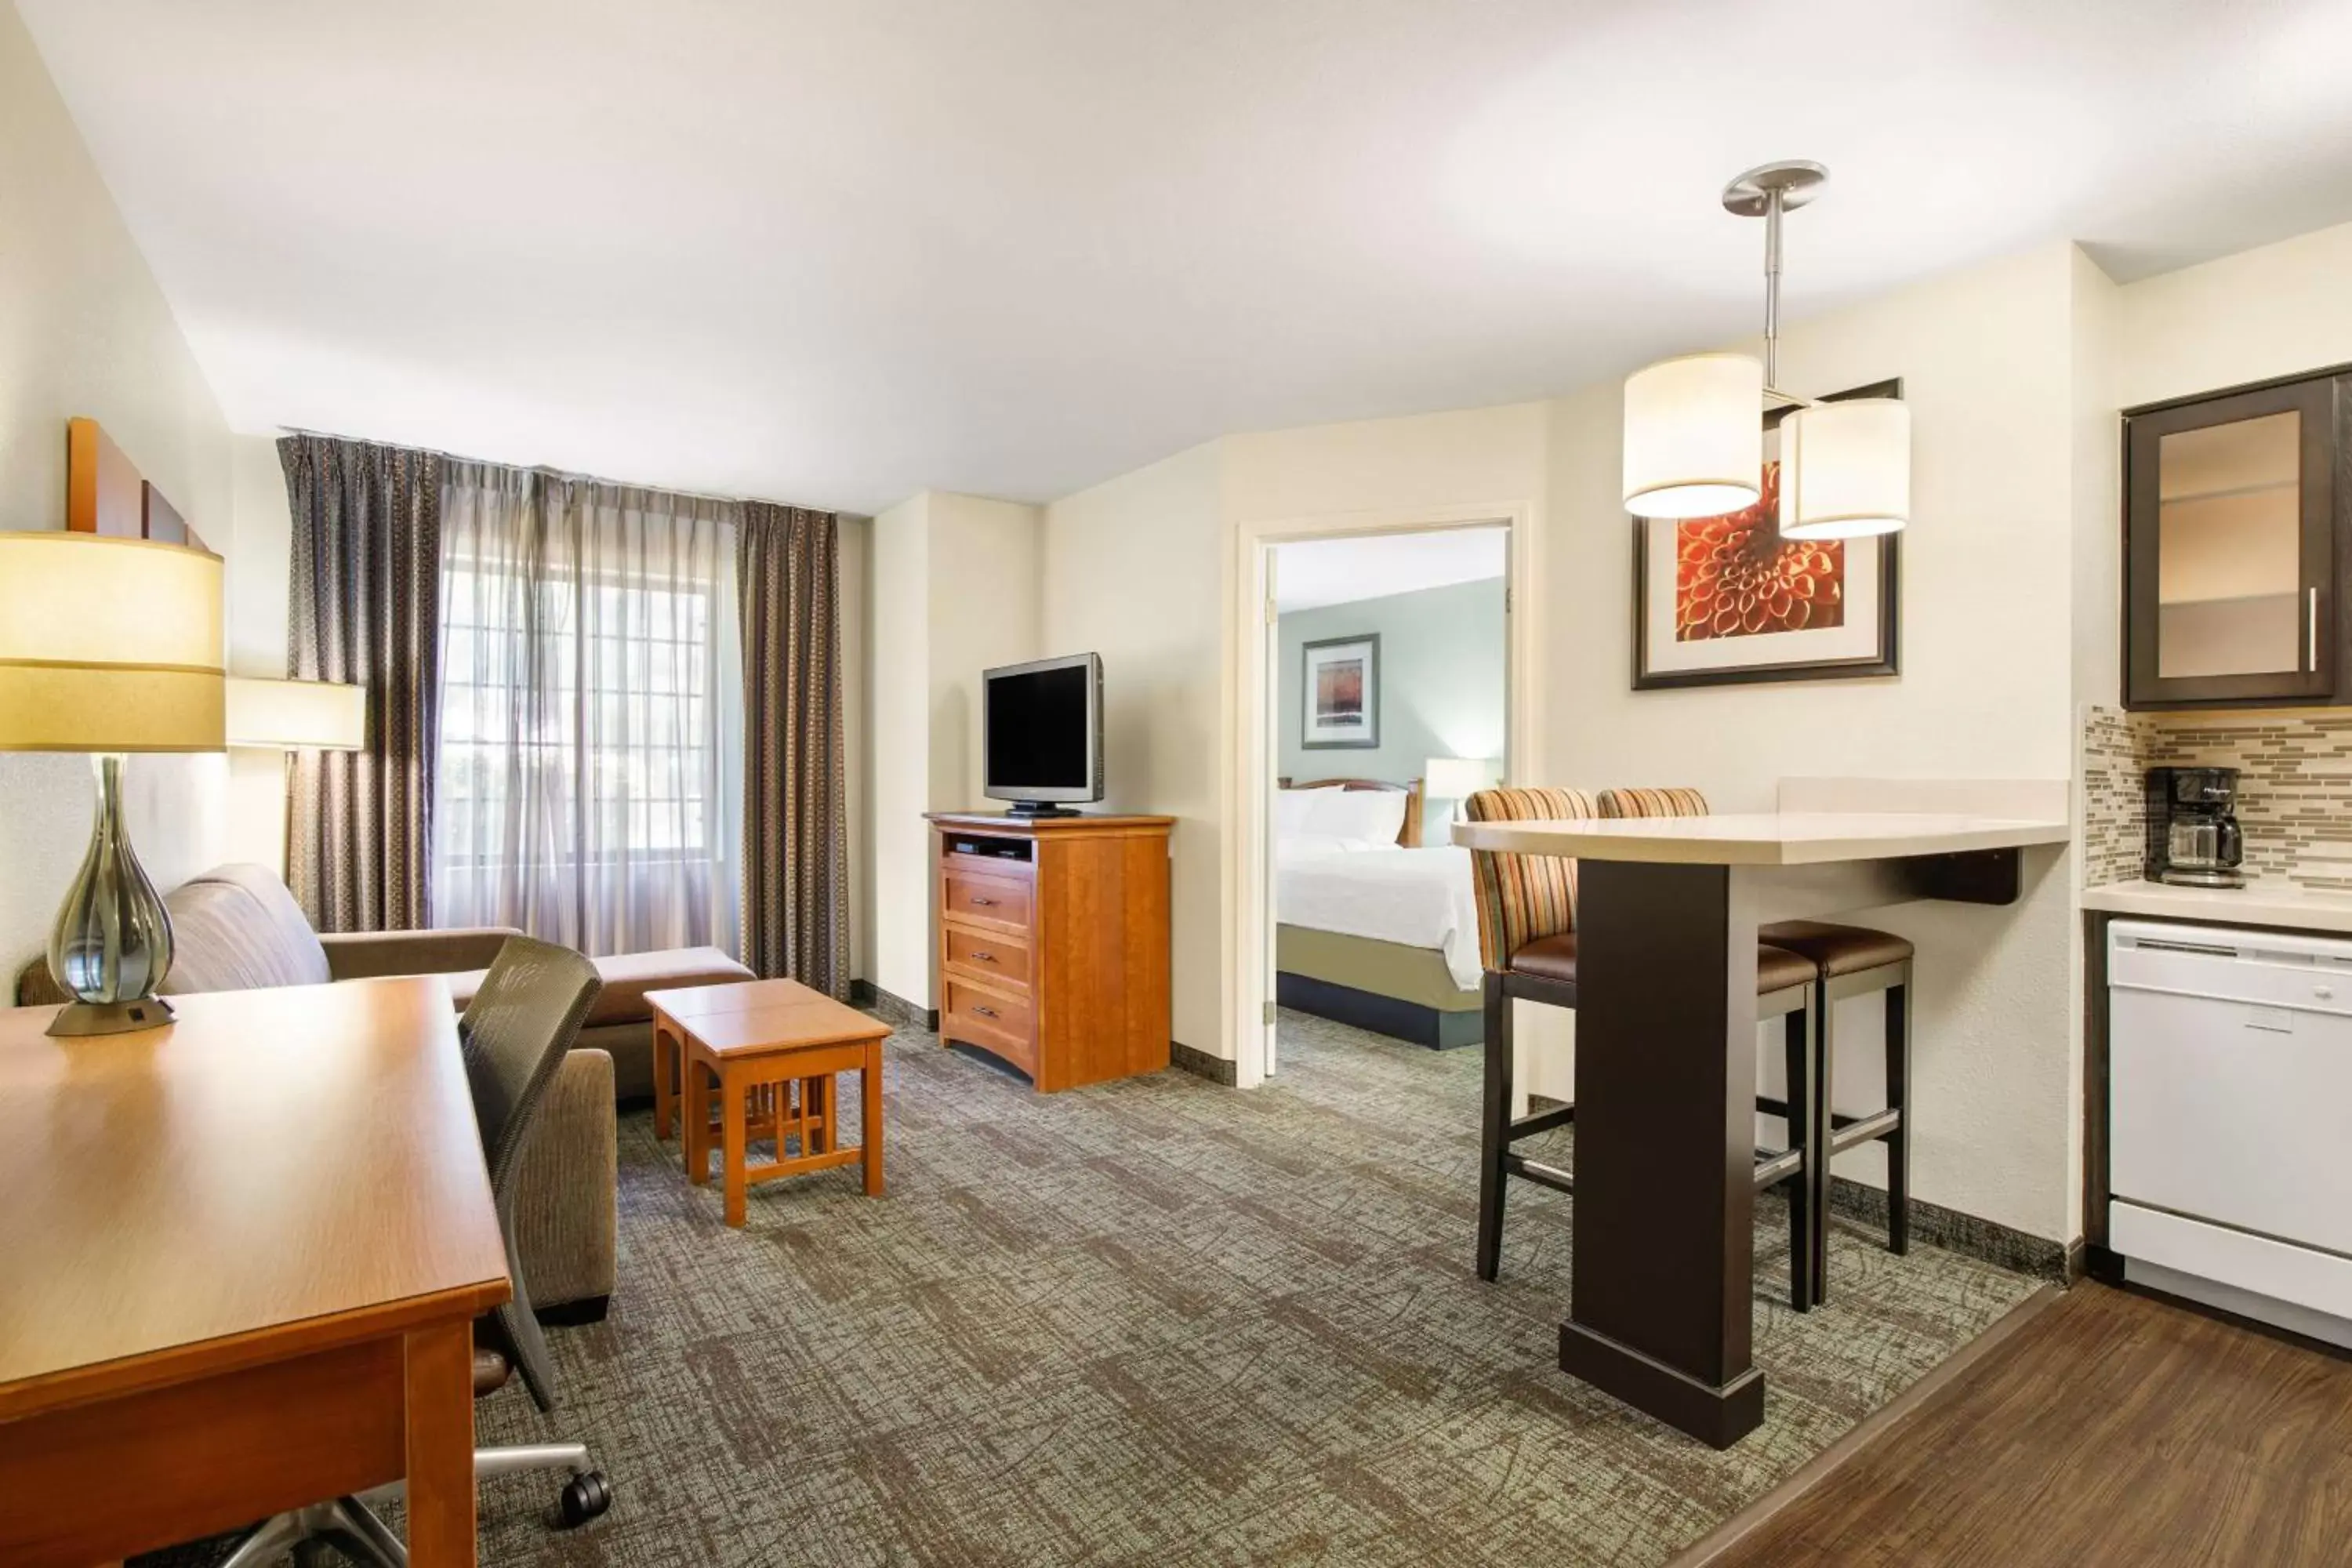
<point x="1722" y="601"/>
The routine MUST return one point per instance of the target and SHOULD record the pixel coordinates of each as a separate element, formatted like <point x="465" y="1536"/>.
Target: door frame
<point x="1249" y="872"/>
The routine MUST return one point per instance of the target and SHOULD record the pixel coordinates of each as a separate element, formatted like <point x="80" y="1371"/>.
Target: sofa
<point x="237" y="928"/>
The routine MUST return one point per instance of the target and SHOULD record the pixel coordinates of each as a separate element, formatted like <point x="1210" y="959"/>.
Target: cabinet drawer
<point x="987" y="1018"/>
<point x="1002" y="958"/>
<point x="1001" y="901"/>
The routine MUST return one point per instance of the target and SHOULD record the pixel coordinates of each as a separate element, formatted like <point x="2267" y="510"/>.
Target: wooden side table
<point x="770" y="1052"/>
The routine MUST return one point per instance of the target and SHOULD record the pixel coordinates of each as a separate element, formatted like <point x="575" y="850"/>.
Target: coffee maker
<point x="2192" y="832"/>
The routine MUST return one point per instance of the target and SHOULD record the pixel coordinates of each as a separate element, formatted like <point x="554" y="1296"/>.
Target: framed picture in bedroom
<point x="1339" y="688"/>
<point x="1725" y="601"/>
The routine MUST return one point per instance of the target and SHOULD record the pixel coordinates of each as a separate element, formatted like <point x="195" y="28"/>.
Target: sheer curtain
<point x="591" y="760"/>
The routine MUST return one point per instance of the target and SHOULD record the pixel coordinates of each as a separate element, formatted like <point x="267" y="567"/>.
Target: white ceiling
<point x="832" y="253"/>
<point x="1341" y="571"/>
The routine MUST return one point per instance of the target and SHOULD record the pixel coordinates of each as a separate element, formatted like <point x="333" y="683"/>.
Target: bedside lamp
<point x="109" y="646"/>
<point x="1458" y="778"/>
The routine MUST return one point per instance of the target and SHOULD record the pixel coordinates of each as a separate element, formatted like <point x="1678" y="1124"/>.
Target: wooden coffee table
<point x="769" y="1048"/>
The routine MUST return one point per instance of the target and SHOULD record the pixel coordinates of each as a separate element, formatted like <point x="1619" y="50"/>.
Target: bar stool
<point x="1848" y="960"/>
<point x="1527" y="943"/>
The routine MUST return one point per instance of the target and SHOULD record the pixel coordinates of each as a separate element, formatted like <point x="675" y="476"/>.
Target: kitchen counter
<point x="2260" y="903"/>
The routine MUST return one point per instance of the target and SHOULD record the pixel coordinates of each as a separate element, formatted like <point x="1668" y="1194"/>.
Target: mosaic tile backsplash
<point x="2295" y="787"/>
<point x="2114" y="814"/>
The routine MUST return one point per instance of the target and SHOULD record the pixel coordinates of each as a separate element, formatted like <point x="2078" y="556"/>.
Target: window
<point x="591" y="690"/>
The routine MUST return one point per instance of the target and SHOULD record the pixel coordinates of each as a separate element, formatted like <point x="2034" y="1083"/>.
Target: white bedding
<point x="1416" y="897"/>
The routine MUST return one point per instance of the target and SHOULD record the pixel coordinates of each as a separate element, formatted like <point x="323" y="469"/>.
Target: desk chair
<point x="514" y="1035"/>
<point x="1527" y="945"/>
<point x="1847" y="960"/>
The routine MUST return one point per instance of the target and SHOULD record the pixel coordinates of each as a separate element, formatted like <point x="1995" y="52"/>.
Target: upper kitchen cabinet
<point x="2234" y="539"/>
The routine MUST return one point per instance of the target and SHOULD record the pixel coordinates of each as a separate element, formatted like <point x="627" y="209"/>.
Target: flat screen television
<point x="1041" y="733"/>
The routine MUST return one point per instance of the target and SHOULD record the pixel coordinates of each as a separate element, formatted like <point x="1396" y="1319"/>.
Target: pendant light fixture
<point x="1694" y="426"/>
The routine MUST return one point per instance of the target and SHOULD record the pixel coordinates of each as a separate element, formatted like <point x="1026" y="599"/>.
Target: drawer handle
<point x="983" y="1010"/>
<point x="980" y="903"/>
<point x="983" y="957"/>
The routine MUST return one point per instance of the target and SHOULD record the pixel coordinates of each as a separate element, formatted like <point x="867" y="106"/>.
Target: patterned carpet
<point x="1160" y="1323"/>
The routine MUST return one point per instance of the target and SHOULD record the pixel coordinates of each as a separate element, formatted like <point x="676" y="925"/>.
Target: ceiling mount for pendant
<point x="1694" y="426"/>
<point x="1795" y="180"/>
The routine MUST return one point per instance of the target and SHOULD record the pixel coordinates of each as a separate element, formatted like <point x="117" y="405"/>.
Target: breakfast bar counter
<point x="1666" y="914"/>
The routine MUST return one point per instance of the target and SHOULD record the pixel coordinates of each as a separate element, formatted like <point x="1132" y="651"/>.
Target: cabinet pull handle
<point x="980" y="957"/>
<point x="2311" y="633"/>
<point x="980" y="903"/>
<point x="983" y="1010"/>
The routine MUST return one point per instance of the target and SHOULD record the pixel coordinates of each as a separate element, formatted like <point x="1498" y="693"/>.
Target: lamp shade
<point x="1695" y="436"/>
<point x="1845" y="470"/>
<point x="297" y="715"/>
<point x="1458" y="778"/>
<point x="109" y="645"/>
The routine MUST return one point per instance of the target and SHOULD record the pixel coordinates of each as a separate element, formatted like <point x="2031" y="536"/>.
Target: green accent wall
<point x="1440" y="687"/>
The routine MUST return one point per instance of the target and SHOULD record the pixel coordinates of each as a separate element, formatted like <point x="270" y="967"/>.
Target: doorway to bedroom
<point x="1389" y="684"/>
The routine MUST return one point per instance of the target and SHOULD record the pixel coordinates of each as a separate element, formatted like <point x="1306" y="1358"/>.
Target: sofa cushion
<point x="628" y="977"/>
<point x="237" y="927"/>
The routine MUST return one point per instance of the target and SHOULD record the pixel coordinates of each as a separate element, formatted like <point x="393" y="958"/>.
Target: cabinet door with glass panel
<point x="2231" y="547"/>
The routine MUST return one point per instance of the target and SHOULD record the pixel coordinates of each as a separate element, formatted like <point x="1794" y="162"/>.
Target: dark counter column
<point x="1661" y="1312"/>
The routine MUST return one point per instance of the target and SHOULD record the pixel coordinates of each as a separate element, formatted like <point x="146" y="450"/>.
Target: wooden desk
<point x="1661" y="1312"/>
<point x="244" y="1254"/>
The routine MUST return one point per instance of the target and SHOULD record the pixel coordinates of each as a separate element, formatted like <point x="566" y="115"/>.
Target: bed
<point x="1372" y="927"/>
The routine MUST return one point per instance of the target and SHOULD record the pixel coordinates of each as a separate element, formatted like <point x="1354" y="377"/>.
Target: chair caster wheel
<point x="586" y="1496"/>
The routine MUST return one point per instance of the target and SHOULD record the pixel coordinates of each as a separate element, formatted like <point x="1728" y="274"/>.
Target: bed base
<point x="1411" y="1021"/>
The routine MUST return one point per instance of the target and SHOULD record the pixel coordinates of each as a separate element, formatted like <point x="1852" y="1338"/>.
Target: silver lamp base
<point x="111" y="1017"/>
<point x="112" y="944"/>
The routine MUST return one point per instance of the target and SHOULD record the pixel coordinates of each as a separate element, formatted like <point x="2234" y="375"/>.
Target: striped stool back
<point x="1523" y="897"/>
<point x="1675" y="802"/>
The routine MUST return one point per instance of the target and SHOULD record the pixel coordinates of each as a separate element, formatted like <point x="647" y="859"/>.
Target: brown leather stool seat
<point x="1836" y="949"/>
<point x="1549" y="958"/>
<point x="1776" y="967"/>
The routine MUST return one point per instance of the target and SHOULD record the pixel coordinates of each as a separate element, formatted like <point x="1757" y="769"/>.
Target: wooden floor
<point x="2111" y="1429"/>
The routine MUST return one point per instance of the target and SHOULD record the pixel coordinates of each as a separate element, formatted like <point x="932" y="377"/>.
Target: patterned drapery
<point x="795" y="834"/>
<point x="365" y="605"/>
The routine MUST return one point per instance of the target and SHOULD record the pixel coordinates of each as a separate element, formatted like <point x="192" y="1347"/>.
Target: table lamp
<point x="1458" y="778"/>
<point x="109" y="646"/>
<point x="297" y="715"/>
<point x="292" y="716"/>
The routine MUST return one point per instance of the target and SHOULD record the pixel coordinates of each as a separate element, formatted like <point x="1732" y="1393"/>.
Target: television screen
<point x="1040" y="725"/>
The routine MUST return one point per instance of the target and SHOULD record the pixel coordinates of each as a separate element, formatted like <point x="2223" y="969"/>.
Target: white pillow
<point x="1291" y="807"/>
<point x="1373" y="814"/>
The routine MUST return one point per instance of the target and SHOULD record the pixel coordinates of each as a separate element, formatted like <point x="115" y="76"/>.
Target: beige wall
<point x="1134" y="570"/>
<point x="954" y="590"/>
<point x="85" y="331"/>
<point x="258" y="589"/>
<point x="983" y="593"/>
<point x="900" y="596"/>
<point x="2273" y="310"/>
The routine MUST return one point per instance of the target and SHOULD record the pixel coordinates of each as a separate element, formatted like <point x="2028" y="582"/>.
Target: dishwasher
<point x="2230" y="1120"/>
